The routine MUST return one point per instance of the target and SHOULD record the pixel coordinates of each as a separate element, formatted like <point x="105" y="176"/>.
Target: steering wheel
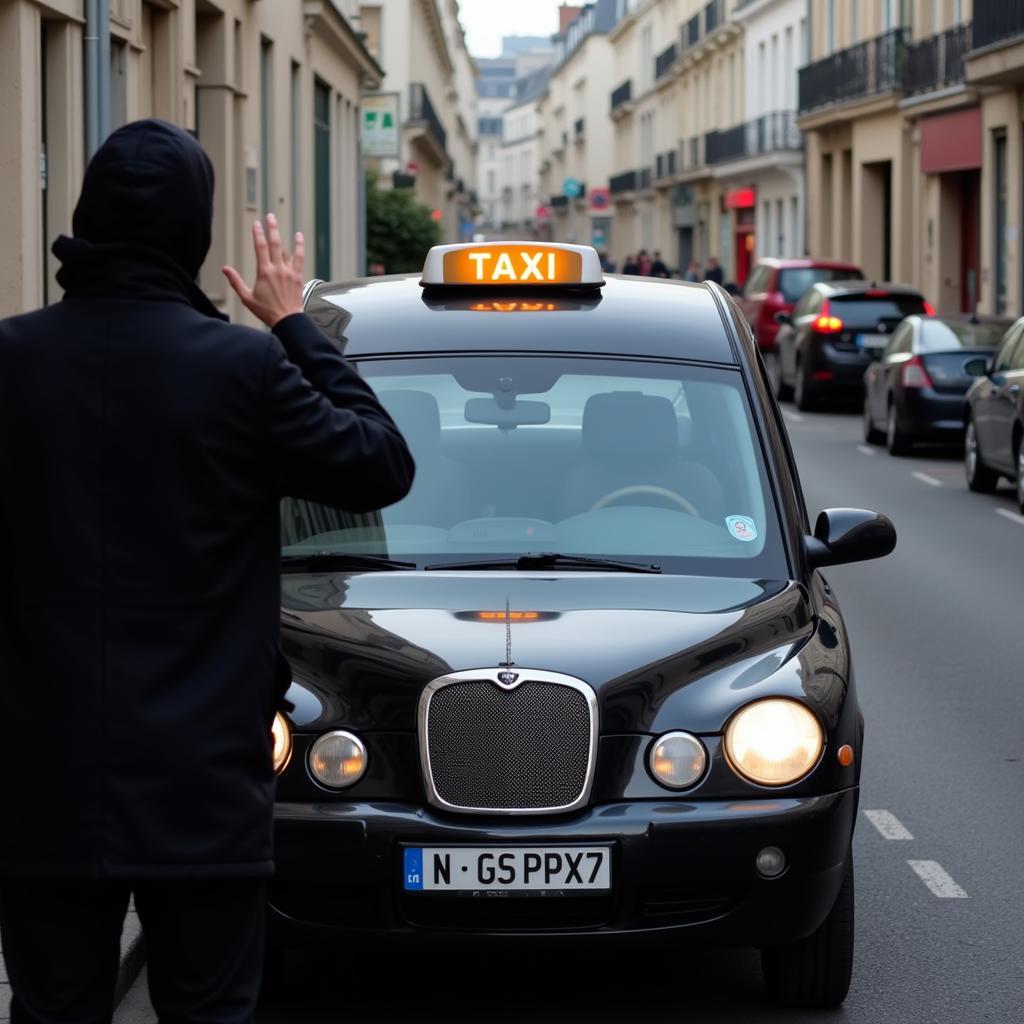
<point x="661" y="492"/>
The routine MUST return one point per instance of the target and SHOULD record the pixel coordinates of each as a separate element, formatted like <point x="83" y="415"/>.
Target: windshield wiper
<point x="321" y="560"/>
<point x="548" y="560"/>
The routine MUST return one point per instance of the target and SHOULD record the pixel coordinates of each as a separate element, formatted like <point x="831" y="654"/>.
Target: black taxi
<point x="585" y="683"/>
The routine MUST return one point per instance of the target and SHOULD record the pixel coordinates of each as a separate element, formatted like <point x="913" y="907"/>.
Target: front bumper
<point x="680" y="870"/>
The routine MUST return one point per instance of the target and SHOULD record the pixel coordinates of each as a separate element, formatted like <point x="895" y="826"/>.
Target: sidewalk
<point x="132" y="958"/>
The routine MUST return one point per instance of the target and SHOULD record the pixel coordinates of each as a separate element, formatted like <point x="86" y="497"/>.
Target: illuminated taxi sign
<point x="501" y="264"/>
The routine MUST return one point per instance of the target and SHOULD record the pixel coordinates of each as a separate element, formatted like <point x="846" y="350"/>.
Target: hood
<point x="363" y="646"/>
<point x="149" y="185"/>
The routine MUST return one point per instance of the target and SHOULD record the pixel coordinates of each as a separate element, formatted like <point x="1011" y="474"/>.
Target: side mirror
<point x="843" y="535"/>
<point x="783" y="318"/>
<point x="979" y="366"/>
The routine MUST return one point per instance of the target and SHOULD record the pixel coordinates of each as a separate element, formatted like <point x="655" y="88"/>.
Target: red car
<point x="775" y="286"/>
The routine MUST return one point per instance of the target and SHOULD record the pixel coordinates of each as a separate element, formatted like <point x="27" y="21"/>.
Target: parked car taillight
<point x="915" y="375"/>
<point x="825" y="323"/>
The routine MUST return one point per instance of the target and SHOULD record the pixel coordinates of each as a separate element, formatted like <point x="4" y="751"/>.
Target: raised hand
<point x="277" y="292"/>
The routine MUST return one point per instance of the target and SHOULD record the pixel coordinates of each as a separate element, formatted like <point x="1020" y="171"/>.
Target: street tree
<point x="399" y="230"/>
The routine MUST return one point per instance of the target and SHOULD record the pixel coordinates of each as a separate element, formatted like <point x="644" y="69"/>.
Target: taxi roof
<point x="632" y="316"/>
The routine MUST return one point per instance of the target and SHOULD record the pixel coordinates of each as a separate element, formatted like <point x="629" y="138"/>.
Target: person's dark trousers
<point x="204" y="943"/>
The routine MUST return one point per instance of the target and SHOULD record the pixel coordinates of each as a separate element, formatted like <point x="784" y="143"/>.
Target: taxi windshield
<point x="606" y="458"/>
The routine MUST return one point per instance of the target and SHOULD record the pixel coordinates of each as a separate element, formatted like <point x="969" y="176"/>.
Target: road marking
<point x="932" y="873"/>
<point x="888" y="824"/>
<point x="1012" y="516"/>
<point x="926" y="479"/>
<point x="793" y="417"/>
<point x="865" y="450"/>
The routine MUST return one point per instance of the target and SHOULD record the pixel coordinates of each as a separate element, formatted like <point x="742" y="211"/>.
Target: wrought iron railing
<point x="622" y="94"/>
<point x="937" y="62"/>
<point x="644" y="177"/>
<point x="773" y="133"/>
<point x="664" y="61"/>
<point x="997" y="20"/>
<point x="421" y="109"/>
<point x="723" y="146"/>
<point x="625" y="182"/>
<point x="873" y="66"/>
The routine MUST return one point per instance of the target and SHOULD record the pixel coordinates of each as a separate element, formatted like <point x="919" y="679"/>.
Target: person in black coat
<point x="145" y="444"/>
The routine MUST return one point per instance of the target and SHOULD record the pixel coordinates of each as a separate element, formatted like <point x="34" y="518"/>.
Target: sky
<point x="486" y="21"/>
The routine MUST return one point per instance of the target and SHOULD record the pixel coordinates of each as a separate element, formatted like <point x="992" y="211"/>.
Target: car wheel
<point x="803" y="395"/>
<point x="872" y="435"/>
<point x="816" y="971"/>
<point x="979" y="477"/>
<point x="1020" y="474"/>
<point x="896" y="439"/>
<point x="773" y="365"/>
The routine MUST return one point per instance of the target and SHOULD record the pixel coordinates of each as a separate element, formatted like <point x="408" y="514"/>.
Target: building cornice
<point x="323" y="19"/>
<point x="433" y="16"/>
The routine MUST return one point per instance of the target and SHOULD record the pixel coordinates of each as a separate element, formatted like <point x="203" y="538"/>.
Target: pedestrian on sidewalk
<point x="145" y="444"/>
<point x="694" y="271"/>
<point x="630" y="266"/>
<point x="644" y="263"/>
<point x="714" y="271"/>
<point x="658" y="266"/>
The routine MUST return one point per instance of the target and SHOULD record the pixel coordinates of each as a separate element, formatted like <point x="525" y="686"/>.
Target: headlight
<point x="677" y="760"/>
<point x="282" y="734"/>
<point x="774" y="742"/>
<point x="337" y="759"/>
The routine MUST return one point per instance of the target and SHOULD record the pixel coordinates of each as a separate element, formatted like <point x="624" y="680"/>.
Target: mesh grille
<point x="509" y="749"/>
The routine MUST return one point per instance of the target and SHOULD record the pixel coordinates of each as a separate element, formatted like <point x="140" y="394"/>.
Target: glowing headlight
<point x="337" y="759"/>
<point x="677" y="760"/>
<point x="282" y="734"/>
<point x="774" y="742"/>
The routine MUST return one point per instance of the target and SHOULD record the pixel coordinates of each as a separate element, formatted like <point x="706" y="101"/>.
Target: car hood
<point x="362" y="646"/>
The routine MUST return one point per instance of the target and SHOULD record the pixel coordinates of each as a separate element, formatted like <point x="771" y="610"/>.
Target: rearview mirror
<point x="977" y="367"/>
<point x="783" y="318"/>
<point x="518" y="414"/>
<point x="843" y="535"/>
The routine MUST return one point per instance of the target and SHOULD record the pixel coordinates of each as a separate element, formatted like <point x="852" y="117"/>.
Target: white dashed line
<point x="793" y="417"/>
<point x="888" y="824"/>
<point x="932" y="873"/>
<point x="1012" y="516"/>
<point x="926" y="479"/>
<point x="865" y="450"/>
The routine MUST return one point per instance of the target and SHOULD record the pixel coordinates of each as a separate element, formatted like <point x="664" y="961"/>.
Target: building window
<point x="886" y="15"/>
<point x="854" y="21"/>
<point x="780" y="228"/>
<point x="830" y="26"/>
<point x="295" y="169"/>
<point x="266" y="122"/>
<point x="322" y="178"/>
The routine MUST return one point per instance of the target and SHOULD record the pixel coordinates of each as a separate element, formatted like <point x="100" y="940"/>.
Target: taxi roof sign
<point x="500" y="264"/>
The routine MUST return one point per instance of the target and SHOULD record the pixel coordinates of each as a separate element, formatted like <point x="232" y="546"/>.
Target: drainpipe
<point x="97" y="74"/>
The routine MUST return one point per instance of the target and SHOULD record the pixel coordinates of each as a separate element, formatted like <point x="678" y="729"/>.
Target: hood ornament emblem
<point x="506" y="677"/>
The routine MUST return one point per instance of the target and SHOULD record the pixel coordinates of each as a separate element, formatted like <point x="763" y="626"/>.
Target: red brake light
<point x="825" y="323"/>
<point x="877" y="293"/>
<point x="929" y="309"/>
<point x="915" y="375"/>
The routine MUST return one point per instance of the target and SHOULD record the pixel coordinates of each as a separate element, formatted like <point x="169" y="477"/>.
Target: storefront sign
<point x="380" y="135"/>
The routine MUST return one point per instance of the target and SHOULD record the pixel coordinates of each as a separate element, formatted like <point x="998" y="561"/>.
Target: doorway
<point x="322" y="178"/>
<point x="970" y="240"/>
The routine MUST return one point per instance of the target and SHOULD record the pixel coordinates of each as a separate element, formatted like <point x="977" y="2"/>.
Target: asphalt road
<point x="937" y="637"/>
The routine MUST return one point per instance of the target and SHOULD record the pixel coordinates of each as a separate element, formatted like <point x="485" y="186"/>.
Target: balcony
<point x="643" y="178"/>
<point x="421" y="111"/>
<point x="622" y="95"/>
<point x="664" y="61"/>
<point x="579" y="128"/>
<point x="625" y="182"/>
<point x="665" y="165"/>
<point x="771" y="133"/>
<point x="721" y="147"/>
<point x="997" y="21"/>
<point x="867" y="69"/>
<point x="937" y="62"/>
<point x="558" y="202"/>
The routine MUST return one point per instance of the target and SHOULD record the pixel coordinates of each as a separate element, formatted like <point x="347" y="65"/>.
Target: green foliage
<point x="399" y="230"/>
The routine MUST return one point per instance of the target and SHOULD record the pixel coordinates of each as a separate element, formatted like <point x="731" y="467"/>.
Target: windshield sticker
<point x="741" y="527"/>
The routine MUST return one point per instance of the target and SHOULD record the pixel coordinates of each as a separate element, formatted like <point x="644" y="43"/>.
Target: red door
<point x="970" y="248"/>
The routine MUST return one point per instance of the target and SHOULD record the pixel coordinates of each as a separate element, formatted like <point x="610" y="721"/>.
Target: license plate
<point x="872" y="342"/>
<point x="515" y="869"/>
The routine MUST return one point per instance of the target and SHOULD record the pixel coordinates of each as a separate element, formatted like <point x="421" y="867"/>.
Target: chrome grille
<point x="523" y="749"/>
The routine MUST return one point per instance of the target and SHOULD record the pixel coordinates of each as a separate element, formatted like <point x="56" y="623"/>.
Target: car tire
<point x="773" y="366"/>
<point x="1020" y="474"/>
<point x="872" y="435"/>
<point x="896" y="439"/>
<point x="803" y="394"/>
<point x="980" y="478"/>
<point x="816" y="971"/>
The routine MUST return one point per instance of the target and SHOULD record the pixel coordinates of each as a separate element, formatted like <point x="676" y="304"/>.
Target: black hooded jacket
<point x="145" y="444"/>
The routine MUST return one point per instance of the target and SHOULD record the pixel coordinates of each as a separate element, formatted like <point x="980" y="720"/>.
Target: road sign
<point x="599" y="198"/>
<point x="542" y="214"/>
<point x="572" y="187"/>
<point x="380" y="125"/>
